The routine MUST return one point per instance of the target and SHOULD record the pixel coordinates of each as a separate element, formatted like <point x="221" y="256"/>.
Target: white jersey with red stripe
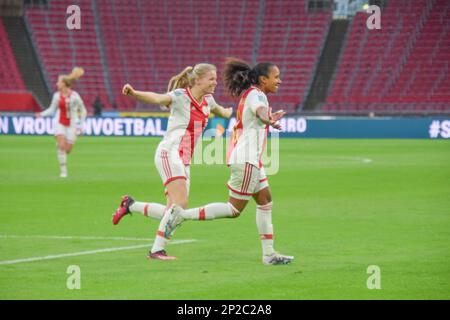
<point x="68" y="111"/>
<point x="250" y="133"/>
<point x="188" y="118"/>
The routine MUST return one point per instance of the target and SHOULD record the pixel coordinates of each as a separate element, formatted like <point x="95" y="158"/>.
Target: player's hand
<point x="37" y="114"/>
<point x="277" y="115"/>
<point x="80" y="131"/>
<point x="228" y="112"/>
<point x="275" y="125"/>
<point x="127" y="90"/>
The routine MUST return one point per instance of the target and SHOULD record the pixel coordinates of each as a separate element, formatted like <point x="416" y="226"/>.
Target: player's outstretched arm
<point x="146" y="96"/>
<point x="222" y="112"/>
<point x="50" y="110"/>
<point x="265" y="115"/>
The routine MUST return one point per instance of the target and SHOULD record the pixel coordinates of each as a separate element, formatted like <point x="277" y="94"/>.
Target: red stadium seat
<point x="408" y="64"/>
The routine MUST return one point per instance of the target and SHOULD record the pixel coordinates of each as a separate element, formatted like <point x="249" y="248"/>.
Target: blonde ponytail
<point x="69" y="79"/>
<point x="187" y="77"/>
<point x="181" y="80"/>
<point x="76" y="73"/>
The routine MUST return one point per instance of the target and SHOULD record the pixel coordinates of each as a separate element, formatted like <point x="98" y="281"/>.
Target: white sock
<point x="62" y="159"/>
<point x="265" y="227"/>
<point x="152" y="210"/>
<point x="160" y="241"/>
<point x="211" y="211"/>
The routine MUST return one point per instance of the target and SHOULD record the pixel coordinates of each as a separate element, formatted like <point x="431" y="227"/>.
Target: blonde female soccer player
<point x="190" y="101"/>
<point x="248" y="140"/>
<point x="70" y="114"/>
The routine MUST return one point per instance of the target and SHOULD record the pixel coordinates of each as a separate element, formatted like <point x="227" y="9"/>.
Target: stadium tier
<point x="401" y="68"/>
<point x="13" y="94"/>
<point x="10" y="79"/>
<point x="146" y="42"/>
<point x="60" y="49"/>
<point x="293" y="39"/>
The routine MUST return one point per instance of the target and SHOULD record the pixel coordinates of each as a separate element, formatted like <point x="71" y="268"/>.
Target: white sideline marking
<point x="74" y="237"/>
<point x="81" y="253"/>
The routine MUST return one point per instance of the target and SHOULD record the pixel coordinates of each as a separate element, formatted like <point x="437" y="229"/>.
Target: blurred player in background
<point x="248" y="141"/>
<point x="190" y="101"/>
<point x="70" y="114"/>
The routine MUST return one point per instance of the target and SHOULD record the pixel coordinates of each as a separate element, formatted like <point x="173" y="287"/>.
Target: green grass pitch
<point x="340" y="206"/>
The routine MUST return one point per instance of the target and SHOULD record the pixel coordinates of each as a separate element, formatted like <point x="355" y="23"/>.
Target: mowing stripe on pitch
<point x="82" y="253"/>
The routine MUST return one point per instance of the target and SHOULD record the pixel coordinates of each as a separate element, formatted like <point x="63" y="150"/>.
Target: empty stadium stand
<point x="146" y="42"/>
<point x="10" y="78"/>
<point x="60" y="49"/>
<point x="401" y="68"/>
<point x="293" y="39"/>
<point x="149" y="41"/>
<point x="13" y="93"/>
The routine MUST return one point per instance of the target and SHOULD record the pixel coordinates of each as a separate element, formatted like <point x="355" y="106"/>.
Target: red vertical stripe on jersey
<point x="202" y="214"/>
<point x="146" y="210"/>
<point x="194" y="130"/>
<point x="63" y="110"/>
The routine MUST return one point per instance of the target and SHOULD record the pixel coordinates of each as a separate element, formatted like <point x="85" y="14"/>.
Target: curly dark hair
<point x="238" y="75"/>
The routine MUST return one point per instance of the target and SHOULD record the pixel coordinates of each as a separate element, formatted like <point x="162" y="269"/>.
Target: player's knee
<point x="235" y="213"/>
<point x="265" y="207"/>
<point x="182" y="202"/>
<point x="266" y="196"/>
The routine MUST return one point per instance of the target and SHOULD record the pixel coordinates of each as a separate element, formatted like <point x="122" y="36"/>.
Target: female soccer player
<point x="248" y="140"/>
<point x="70" y="114"/>
<point x="190" y="101"/>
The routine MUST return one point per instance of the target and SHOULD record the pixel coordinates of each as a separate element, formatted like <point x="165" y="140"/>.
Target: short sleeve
<point x="257" y="99"/>
<point x="211" y="102"/>
<point x="176" y="95"/>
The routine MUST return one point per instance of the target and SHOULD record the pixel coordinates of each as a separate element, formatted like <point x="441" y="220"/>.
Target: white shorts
<point x="246" y="180"/>
<point x="70" y="133"/>
<point x="170" y="167"/>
